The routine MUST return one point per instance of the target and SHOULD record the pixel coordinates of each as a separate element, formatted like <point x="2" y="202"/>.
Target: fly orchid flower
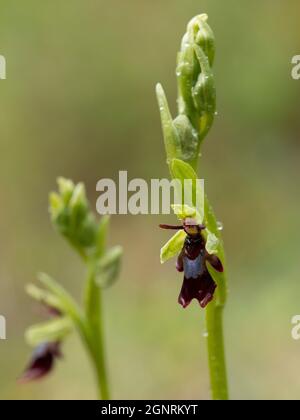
<point x="200" y="250"/>
<point x="42" y="362"/>
<point x="195" y="253"/>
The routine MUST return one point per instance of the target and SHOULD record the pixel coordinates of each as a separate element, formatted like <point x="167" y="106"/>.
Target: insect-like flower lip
<point x="42" y="362"/>
<point x="201" y="288"/>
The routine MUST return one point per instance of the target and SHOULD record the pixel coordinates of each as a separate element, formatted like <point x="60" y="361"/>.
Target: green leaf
<point x="55" y="330"/>
<point x="173" y="247"/>
<point x="109" y="266"/>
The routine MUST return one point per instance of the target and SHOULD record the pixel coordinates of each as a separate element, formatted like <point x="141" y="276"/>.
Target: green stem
<point x="216" y="356"/>
<point x="93" y="305"/>
<point x="214" y="319"/>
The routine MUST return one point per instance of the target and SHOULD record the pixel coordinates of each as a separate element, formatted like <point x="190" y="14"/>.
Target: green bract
<point x="192" y="196"/>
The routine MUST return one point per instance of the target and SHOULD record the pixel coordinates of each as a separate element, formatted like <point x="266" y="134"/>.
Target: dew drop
<point x="205" y="334"/>
<point x="220" y="226"/>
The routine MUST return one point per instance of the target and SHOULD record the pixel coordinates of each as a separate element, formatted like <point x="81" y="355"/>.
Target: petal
<point x="202" y="288"/>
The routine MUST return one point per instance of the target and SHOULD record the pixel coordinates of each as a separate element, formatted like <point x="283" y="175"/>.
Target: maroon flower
<point x="197" y="283"/>
<point x="42" y="362"/>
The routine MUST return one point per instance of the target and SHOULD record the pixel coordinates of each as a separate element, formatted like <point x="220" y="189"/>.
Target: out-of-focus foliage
<point x="79" y="102"/>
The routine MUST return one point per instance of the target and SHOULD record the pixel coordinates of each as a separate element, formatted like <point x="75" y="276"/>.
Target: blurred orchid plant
<point x="198" y="242"/>
<point x="72" y="217"/>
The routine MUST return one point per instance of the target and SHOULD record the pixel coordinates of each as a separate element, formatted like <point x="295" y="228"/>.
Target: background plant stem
<point x="93" y="305"/>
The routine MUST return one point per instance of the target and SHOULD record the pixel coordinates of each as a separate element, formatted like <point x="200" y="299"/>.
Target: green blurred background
<point x="79" y="102"/>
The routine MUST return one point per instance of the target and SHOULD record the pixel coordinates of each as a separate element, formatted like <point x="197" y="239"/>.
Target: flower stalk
<point x="183" y="137"/>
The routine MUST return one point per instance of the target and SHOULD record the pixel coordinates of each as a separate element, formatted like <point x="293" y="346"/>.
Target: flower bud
<point x="188" y="137"/>
<point x="197" y="96"/>
<point x="203" y="36"/>
<point x="71" y="215"/>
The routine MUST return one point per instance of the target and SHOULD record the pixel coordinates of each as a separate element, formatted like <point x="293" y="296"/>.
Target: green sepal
<point x="48" y="332"/>
<point x="173" y="247"/>
<point x="212" y="243"/>
<point x="66" y="303"/>
<point x="44" y="297"/>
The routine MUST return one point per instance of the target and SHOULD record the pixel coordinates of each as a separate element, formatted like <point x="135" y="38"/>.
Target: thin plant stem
<point x="100" y="359"/>
<point x="94" y="316"/>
